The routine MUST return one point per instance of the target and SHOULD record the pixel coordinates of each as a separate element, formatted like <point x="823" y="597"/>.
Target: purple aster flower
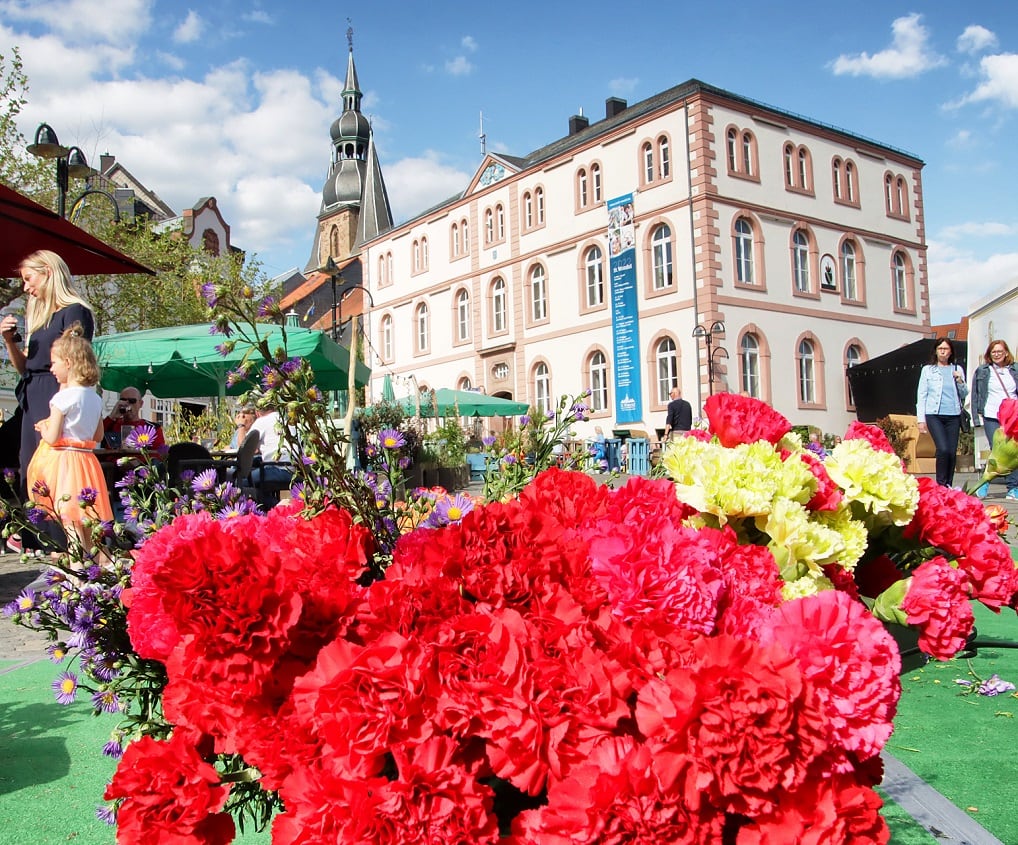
<point x="204" y="481"/>
<point x="37" y="516"/>
<point x="509" y="460"/>
<point x="10" y="475"/>
<point x="371" y="449"/>
<point x="141" y="437"/>
<point x="488" y="441"/>
<point x="524" y="420"/>
<point x="550" y="415"/>
<point x="40" y="490"/>
<point x="87" y="497"/>
<point x="390" y="438"/>
<point x="114" y="748"/>
<point x="66" y="687"/>
<point x="453" y="508"/>
<point x="25" y="600"/>
<point x="271" y="378"/>
<point x="995" y="686"/>
<point x="107" y="813"/>
<point x="106" y="701"/>
<point x="291" y="366"/>
<point x="208" y="292"/>
<point x="403" y="462"/>
<point x="266" y="306"/>
<point x="57" y="652"/>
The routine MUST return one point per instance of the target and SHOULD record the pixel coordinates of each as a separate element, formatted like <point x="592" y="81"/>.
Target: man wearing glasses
<point x="126" y="415"/>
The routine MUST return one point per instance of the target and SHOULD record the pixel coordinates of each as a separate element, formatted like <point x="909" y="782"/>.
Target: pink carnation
<point x="871" y="434"/>
<point x="938" y="603"/>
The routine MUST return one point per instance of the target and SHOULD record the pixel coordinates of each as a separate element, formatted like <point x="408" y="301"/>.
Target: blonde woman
<point x="995" y="380"/>
<point x="53" y="307"/>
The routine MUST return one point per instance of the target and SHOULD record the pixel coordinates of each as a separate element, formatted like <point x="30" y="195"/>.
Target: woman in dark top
<point x="53" y="306"/>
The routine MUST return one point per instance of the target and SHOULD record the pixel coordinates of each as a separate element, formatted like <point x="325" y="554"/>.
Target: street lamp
<point x="330" y="269"/>
<point x="71" y="161"/>
<point x="716" y="328"/>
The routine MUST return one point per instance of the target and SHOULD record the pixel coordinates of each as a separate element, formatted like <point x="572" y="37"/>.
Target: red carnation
<point x="1007" y="416"/>
<point x="739" y="419"/>
<point x="745" y="716"/>
<point x="851" y="661"/>
<point x="170" y="794"/>
<point x="874" y="435"/>
<point x="828" y="495"/>
<point x="937" y="602"/>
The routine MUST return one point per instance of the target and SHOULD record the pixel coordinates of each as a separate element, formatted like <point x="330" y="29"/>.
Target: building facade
<point x="800" y="245"/>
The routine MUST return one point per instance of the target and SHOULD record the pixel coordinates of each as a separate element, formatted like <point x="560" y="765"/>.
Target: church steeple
<point x="355" y="205"/>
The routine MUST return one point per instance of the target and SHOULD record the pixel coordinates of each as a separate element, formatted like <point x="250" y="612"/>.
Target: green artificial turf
<point x="963" y="745"/>
<point x="52" y="772"/>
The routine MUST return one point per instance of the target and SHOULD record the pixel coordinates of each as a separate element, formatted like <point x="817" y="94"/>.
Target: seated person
<point x="127" y="413"/>
<point x="271" y="448"/>
<point x="243" y="420"/>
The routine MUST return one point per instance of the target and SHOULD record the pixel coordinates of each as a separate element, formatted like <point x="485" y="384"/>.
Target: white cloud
<point x="190" y="29"/>
<point x="959" y="279"/>
<point x="909" y="54"/>
<point x="417" y="183"/>
<point x="1000" y="82"/>
<point x="460" y="66"/>
<point x="80" y="22"/>
<point x="258" y="16"/>
<point x="976" y="39"/>
<point x="172" y="61"/>
<point x="623" y="85"/>
<point x="469" y="43"/>
<point x="961" y="139"/>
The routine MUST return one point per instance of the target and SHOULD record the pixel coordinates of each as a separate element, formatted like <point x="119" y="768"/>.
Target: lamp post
<point x="708" y="334"/>
<point x="71" y="161"/>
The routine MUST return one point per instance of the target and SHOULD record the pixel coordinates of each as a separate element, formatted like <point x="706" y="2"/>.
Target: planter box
<point x="454" y="478"/>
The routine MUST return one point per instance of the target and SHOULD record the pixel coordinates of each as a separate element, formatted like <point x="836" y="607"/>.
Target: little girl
<point x="64" y="460"/>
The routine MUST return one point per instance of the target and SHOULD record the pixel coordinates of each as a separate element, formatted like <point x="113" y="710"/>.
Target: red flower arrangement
<point x="575" y="665"/>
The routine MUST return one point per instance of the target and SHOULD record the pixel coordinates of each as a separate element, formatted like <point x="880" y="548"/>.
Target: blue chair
<point x="612" y="446"/>
<point x="639" y="456"/>
<point x="477" y="462"/>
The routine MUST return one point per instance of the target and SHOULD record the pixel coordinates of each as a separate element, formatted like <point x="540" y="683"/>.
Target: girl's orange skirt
<point x="68" y="467"/>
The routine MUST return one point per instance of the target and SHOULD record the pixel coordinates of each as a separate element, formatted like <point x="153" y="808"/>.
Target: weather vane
<point x="349" y="33"/>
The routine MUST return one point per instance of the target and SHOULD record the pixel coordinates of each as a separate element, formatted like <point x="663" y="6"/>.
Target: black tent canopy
<point x="887" y="384"/>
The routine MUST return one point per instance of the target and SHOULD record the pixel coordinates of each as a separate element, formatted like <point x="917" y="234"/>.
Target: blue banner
<point x="625" y="310"/>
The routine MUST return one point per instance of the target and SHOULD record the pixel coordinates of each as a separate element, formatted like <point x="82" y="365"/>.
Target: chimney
<point x="106" y="161"/>
<point x="577" y="123"/>
<point x="614" y="106"/>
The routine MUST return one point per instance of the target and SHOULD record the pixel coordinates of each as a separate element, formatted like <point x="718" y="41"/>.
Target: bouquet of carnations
<point x="690" y="659"/>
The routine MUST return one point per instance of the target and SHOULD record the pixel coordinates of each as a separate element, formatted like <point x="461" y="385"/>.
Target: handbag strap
<point x="996" y="372"/>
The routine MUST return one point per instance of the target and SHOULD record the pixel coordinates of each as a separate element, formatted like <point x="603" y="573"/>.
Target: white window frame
<point x="661" y="254"/>
<point x="666" y="359"/>
<point x="594" y="276"/>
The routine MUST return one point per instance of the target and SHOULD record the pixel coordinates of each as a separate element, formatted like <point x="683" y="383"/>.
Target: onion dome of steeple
<point x="351" y="133"/>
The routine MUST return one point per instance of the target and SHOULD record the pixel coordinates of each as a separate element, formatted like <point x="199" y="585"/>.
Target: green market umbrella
<point x="445" y="402"/>
<point x="388" y="394"/>
<point x="183" y="360"/>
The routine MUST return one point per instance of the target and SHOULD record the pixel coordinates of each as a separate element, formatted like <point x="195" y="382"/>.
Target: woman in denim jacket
<point x="942" y="391"/>
<point x="996" y="379"/>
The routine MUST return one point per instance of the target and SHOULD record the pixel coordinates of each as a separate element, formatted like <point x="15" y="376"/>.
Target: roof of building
<point x="689" y="90"/>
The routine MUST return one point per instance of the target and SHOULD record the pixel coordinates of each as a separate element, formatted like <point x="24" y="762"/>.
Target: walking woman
<point x="939" y="401"/>
<point x="53" y="307"/>
<point x="996" y="379"/>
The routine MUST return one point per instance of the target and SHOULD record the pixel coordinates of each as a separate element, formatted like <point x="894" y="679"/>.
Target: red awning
<point x="26" y="226"/>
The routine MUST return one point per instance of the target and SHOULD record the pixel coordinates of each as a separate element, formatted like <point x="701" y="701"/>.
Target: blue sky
<point x="234" y="99"/>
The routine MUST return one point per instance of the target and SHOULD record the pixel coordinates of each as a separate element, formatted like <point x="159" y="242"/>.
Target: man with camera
<point x="125" y="416"/>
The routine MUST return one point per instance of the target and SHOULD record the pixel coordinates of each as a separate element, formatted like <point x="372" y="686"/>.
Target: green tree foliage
<point x="19" y="170"/>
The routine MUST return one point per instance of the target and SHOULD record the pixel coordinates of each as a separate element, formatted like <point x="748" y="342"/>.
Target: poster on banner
<point x="624" y="310"/>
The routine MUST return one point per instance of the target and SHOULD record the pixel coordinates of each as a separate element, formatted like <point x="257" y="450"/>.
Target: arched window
<point x="464" y="384"/>
<point x="853" y="357"/>
<point x="424" y="253"/>
<point x="538" y="294"/>
<point x="661" y="256"/>
<point x="747" y="153"/>
<point x="597" y="369"/>
<point x="788" y="153"/>
<point x="800" y="261"/>
<point x="542" y="388"/>
<point x="417" y="255"/>
<point x="581" y="188"/>
<point x="382" y="277"/>
<point x="664" y="157"/>
<point x="667" y="362"/>
<point x="849" y="288"/>
<point x="465" y="235"/>
<point x="528" y="210"/>
<point x="648" y="162"/>
<point x="805" y="182"/>
<point x="733" y="143"/>
<point x="836" y="177"/>
<point x="539" y="203"/>
<point x="849" y="181"/>
<point x="595" y="181"/>
<point x="744" y="251"/>
<point x="594" y="264"/>
<point x="498" y="306"/>
<point x="455" y="240"/>
<point x="500" y="222"/>
<point x="807" y="373"/>
<point x="386" y="329"/>
<point x="489" y="226"/>
<point x="899" y="281"/>
<point x="463" y="315"/>
<point x="749" y="355"/>
<point x="334" y="241"/>
<point x="422" y="327"/>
